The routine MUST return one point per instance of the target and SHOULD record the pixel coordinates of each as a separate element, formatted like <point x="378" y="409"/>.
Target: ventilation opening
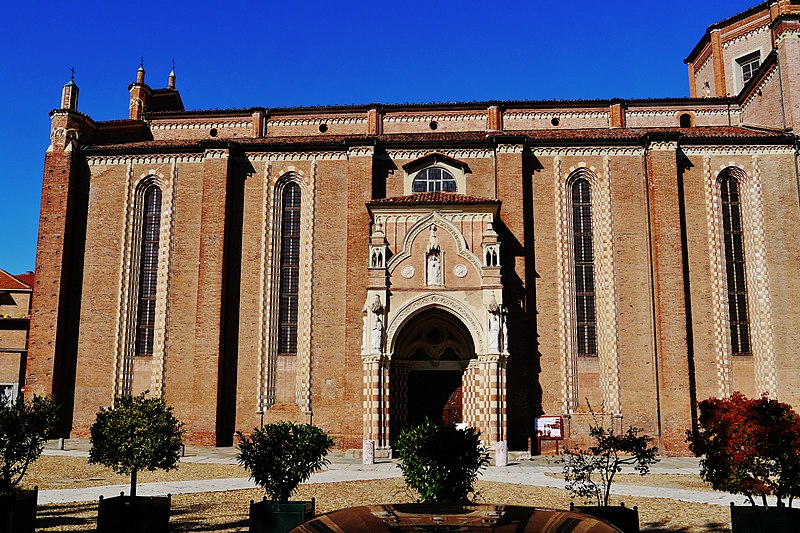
<point x="213" y="132"/>
<point x="685" y="120"/>
<point x="323" y="128"/>
<point x="433" y="125"/>
<point x="555" y="121"/>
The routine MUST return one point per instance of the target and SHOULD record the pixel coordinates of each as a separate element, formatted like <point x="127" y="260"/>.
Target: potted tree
<point x="590" y="473"/>
<point x="137" y="433"/>
<point x="751" y="447"/>
<point x="24" y="428"/>
<point x="279" y="457"/>
<point x="441" y="463"/>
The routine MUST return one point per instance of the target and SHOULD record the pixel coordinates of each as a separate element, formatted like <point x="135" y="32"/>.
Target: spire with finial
<point x="171" y="83"/>
<point x="140" y="72"/>
<point x="69" y="94"/>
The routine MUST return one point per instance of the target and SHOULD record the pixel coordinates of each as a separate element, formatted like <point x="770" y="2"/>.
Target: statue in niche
<point x="494" y="332"/>
<point x="434" y="270"/>
<point x="377" y="334"/>
<point x="505" y="330"/>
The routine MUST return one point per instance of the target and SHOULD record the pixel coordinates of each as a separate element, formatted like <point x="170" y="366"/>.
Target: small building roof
<point x="9" y="282"/>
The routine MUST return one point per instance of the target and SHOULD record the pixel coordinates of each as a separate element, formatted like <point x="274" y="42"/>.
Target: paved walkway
<point x="347" y="468"/>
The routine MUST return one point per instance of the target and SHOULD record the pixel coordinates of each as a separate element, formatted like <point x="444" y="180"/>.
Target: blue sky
<point x="277" y="54"/>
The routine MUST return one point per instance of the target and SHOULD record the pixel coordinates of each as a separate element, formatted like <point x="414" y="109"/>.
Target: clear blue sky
<point x="276" y="54"/>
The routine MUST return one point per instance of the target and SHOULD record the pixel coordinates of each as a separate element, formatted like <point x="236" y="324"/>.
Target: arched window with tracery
<point x="583" y="268"/>
<point x="148" y="270"/>
<point x="289" y="269"/>
<point x="434" y="179"/>
<point x="735" y="265"/>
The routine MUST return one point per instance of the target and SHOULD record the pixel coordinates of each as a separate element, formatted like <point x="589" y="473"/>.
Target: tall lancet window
<point x="148" y="271"/>
<point x="583" y="265"/>
<point x="734" y="265"/>
<point x="289" y="269"/>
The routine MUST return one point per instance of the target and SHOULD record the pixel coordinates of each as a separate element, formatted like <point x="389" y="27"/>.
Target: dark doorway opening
<point x="435" y="394"/>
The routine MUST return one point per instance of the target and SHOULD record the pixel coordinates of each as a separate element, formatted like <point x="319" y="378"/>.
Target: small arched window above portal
<point x="434" y="179"/>
<point x="435" y="173"/>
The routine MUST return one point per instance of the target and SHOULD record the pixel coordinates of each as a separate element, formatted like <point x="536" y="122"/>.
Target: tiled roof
<point x="548" y="135"/>
<point x="435" y="198"/>
<point x="9" y="282"/>
<point x="28" y="278"/>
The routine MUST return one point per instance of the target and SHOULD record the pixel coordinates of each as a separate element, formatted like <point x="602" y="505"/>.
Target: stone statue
<point x="494" y="332"/>
<point x="434" y="270"/>
<point x="377" y="334"/>
<point x="364" y="335"/>
<point x="505" y="330"/>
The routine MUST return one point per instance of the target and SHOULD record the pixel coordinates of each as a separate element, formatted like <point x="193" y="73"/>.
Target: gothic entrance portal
<point x="432" y="353"/>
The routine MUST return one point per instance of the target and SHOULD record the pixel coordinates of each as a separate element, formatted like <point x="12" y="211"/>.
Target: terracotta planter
<point x="18" y="511"/>
<point x="279" y="517"/>
<point x="621" y="517"/>
<point x="139" y="514"/>
<point x="750" y="519"/>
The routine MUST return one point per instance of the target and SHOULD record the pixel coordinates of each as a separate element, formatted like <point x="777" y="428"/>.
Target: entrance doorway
<point x="427" y="369"/>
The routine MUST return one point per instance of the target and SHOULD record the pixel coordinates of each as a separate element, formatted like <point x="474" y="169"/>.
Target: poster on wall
<point x="549" y="427"/>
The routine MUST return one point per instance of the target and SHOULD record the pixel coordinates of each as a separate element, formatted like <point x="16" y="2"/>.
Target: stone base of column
<point x="501" y="453"/>
<point x="368" y="452"/>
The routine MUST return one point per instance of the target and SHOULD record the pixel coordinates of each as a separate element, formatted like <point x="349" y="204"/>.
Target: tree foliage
<point x="749" y="447"/>
<point x="590" y="473"/>
<point x="441" y="463"/>
<point x="136" y="433"/>
<point x="24" y="428"/>
<point x="280" y="456"/>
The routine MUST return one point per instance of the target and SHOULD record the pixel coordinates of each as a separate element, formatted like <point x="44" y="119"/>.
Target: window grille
<point x="749" y="68"/>
<point x="583" y="265"/>
<point x="434" y="179"/>
<point x="735" y="266"/>
<point x="289" y="269"/>
<point x="148" y="272"/>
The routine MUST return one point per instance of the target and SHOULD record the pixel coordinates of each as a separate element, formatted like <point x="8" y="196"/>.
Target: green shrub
<point x="24" y="428"/>
<point x="135" y="434"/>
<point x="441" y="463"/>
<point x="280" y="456"/>
<point x="590" y="473"/>
<point x="749" y="447"/>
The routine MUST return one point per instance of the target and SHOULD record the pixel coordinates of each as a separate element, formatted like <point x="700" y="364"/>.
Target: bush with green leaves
<point x="137" y="433"/>
<point x="282" y="455"/>
<point x="590" y="473"/>
<point x="749" y="447"/>
<point x="441" y="463"/>
<point x="24" y="428"/>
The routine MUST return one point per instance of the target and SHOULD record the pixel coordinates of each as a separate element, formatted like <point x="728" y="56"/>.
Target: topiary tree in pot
<point x="751" y="447"/>
<point x="136" y="433"/>
<point x="279" y="457"/>
<point x="441" y="463"/>
<point x="590" y="473"/>
<point x="24" y="428"/>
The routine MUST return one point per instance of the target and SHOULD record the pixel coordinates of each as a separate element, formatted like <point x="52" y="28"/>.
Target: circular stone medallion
<point x="407" y="272"/>
<point x="460" y="270"/>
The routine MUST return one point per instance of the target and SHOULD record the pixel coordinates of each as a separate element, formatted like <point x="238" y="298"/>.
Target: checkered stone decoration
<point x="376" y="400"/>
<point x="270" y="278"/>
<point x="128" y="283"/>
<point x="758" y="295"/>
<point x="605" y="286"/>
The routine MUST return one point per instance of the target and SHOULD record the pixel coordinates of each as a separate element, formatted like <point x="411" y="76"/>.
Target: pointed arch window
<point x="583" y="268"/>
<point x="148" y="271"/>
<point x="289" y="269"/>
<point x="735" y="265"/>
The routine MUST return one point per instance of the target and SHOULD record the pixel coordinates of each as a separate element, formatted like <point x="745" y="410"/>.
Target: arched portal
<point x="433" y="350"/>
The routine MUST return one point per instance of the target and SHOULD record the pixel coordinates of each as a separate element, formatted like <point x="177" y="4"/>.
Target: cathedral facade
<point x="363" y="267"/>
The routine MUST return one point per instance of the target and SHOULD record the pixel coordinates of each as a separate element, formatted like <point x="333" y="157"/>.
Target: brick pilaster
<point x="670" y="305"/>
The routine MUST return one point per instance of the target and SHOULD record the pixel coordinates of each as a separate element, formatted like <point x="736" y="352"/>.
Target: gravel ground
<point x="669" y="481"/>
<point x="227" y="511"/>
<point x="54" y="472"/>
